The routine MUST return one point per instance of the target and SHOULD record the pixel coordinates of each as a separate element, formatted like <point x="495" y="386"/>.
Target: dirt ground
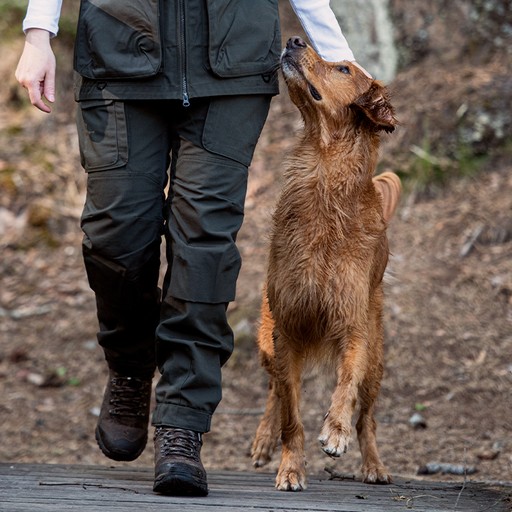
<point x="448" y="315"/>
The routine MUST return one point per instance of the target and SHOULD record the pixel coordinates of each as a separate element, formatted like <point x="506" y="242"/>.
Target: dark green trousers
<point x="157" y="169"/>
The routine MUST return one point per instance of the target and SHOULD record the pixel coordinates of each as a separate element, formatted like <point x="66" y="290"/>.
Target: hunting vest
<point x="176" y="49"/>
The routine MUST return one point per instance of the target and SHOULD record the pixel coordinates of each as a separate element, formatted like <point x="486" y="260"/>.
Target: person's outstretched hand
<point x="36" y="69"/>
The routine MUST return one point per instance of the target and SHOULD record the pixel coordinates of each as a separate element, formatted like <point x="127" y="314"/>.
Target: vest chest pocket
<point x="118" y="39"/>
<point x="244" y="37"/>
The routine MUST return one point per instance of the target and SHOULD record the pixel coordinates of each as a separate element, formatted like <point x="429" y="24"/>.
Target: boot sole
<point x="116" y="455"/>
<point x="180" y="483"/>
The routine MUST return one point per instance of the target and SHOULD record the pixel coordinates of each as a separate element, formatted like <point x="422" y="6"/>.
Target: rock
<point x="491" y="453"/>
<point x="433" y="468"/>
<point x="95" y="411"/>
<point x="417" y="421"/>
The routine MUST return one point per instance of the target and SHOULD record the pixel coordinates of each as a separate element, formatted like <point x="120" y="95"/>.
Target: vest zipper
<point x="183" y="56"/>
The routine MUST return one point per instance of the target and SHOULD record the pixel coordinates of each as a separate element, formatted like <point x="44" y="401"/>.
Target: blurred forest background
<point x="446" y="396"/>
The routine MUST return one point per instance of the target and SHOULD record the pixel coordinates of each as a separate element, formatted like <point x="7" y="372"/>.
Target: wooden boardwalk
<point x="55" y="488"/>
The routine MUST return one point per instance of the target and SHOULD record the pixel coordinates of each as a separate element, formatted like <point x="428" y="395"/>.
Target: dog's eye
<point x="344" y="69"/>
<point x="316" y="95"/>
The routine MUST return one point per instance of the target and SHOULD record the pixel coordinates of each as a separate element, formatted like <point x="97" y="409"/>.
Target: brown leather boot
<point x="178" y="467"/>
<point x="122" y="430"/>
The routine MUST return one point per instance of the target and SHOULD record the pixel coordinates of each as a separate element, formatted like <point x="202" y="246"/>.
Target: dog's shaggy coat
<point x="323" y="297"/>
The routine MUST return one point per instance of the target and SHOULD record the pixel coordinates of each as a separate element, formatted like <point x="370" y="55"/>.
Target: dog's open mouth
<point x="291" y="67"/>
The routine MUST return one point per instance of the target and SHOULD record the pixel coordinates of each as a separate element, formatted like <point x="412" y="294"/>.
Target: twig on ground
<point x="85" y="485"/>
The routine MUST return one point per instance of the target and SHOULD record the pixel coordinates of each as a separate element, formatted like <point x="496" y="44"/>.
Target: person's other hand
<point x="36" y="69"/>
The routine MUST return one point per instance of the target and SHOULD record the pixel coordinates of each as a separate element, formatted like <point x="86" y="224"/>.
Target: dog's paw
<point x="262" y="450"/>
<point x="260" y="459"/>
<point x="376" y="474"/>
<point x="334" y="441"/>
<point x="291" y="479"/>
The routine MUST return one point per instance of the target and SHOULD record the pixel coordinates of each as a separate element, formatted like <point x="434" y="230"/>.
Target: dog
<point x="323" y="298"/>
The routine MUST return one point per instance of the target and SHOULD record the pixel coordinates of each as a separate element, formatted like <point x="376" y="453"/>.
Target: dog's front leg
<point x="291" y="475"/>
<point x="335" y="434"/>
<point x="373" y="469"/>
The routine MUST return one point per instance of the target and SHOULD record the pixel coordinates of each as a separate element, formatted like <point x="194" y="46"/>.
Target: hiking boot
<point x="178" y="467"/>
<point x="122" y="430"/>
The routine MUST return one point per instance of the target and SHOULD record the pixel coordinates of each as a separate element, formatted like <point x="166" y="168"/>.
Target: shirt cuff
<point x="43" y="14"/>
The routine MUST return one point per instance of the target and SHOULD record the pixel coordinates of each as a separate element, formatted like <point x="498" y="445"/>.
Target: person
<point x="170" y="94"/>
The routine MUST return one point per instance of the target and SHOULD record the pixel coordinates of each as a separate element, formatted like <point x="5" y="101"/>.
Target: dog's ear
<point x="376" y="106"/>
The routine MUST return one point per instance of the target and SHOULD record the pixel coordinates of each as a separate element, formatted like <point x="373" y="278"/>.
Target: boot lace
<point x="177" y="442"/>
<point x="129" y="396"/>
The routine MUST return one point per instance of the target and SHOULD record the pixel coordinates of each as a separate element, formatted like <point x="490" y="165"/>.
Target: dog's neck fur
<point x="344" y="154"/>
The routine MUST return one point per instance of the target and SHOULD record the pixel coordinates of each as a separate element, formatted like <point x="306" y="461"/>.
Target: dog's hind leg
<point x="269" y="428"/>
<point x="291" y="475"/>
<point x="373" y="469"/>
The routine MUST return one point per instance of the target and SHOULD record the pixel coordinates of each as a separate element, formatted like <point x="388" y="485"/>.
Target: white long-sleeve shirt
<point x="43" y="14"/>
<point x="323" y="30"/>
<point x="316" y="17"/>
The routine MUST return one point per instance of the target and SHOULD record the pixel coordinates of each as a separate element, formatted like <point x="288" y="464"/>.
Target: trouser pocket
<point x="102" y="134"/>
<point x="233" y="125"/>
<point x="206" y="212"/>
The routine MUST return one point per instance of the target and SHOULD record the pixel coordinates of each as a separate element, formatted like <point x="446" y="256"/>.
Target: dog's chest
<point x="322" y="257"/>
<point x="318" y="237"/>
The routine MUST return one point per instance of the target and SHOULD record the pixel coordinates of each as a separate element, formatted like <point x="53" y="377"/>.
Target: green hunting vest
<point x="176" y="49"/>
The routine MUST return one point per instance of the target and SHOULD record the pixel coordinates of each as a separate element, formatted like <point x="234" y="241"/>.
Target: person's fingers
<point x="35" y="90"/>
<point x="35" y="93"/>
<point x="49" y="87"/>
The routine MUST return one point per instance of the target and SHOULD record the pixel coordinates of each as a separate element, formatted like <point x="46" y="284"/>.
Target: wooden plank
<point x="44" y="488"/>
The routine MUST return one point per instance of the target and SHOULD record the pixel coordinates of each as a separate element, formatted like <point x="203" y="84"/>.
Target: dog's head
<point x="328" y="92"/>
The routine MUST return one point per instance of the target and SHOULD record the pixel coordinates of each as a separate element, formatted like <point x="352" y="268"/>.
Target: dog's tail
<point x="389" y="187"/>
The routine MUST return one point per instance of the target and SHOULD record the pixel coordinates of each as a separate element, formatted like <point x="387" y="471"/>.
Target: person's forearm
<point x="316" y="17"/>
<point x="43" y="14"/>
<point x="323" y="29"/>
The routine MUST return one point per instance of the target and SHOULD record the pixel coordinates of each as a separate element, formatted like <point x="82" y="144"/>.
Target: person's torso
<point x="176" y="49"/>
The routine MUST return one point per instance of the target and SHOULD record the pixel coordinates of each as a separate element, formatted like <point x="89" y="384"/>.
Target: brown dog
<point x="323" y="297"/>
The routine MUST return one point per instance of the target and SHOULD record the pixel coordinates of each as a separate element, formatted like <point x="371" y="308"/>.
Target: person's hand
<point x="36" y="69"/>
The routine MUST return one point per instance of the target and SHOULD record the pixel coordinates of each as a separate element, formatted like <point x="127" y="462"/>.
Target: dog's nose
<point x="295" y="42"/>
